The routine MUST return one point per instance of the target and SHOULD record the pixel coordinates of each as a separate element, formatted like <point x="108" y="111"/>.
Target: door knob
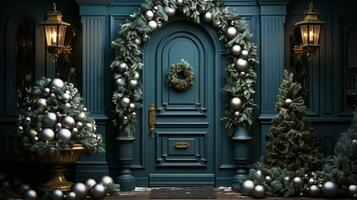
<point x="152" y="120"/>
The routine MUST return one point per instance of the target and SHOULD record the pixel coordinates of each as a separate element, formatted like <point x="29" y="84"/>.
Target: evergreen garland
<point x="127" y="64"/>
<point x="61" y="99"/>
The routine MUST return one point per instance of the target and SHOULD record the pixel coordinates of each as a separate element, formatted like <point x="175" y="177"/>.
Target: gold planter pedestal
<point x="58" y="164"/>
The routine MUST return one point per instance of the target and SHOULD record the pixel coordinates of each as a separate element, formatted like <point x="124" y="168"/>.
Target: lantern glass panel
<point x="61" y="35"/>
<point x="314" y="34"/>
<point x="51" y="35"/>
<point x="304" y="34"/>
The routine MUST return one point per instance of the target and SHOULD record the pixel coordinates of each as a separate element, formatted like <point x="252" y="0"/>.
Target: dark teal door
<point x="181" y="149"/>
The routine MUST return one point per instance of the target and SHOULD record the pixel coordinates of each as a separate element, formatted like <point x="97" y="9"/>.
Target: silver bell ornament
<point x="51" y="118"/>
<point x="122" y="67"/>
<point x="71" y="196"/>
<point x="352" y="191"/>
<point x="133" y="83"/>
<point x="258" y="192"/>
<point x="208" y="17"/>
<point x="149" y="15"/>
<point x="64" y="135"/>
<point x="245" y="53"/>
<point x="56" y="195"/>
<point x="90" y="183"/>
<point x="47" y="135"/>
<point x="288" y="101"/>
<point x="235" y="103"/>
<point x="80" y="190"/>
<point x="236" y="114"/>
<point x="125" y="101"/>
<point x="170" y="11"/>
<point x="98" y="191"/>
<point x="152" y="24"/>
<point x="330" y="189"/>
<point x="268" y="179"/>
<point x="314" y="191"/>
<point x="46" y="91"/>
<point x="231" y="32"/>
<point x="298" y="182"/>
<point x="236" y="50"/>
<point x="29" y="195"/>
<point x="68" y="122"/>
<point x="247" y="187"/>
<point x="241" y="64"/>
<point x="57" y="83"/>
<point x="41" y="103"/>
<point x="106" y="180"/>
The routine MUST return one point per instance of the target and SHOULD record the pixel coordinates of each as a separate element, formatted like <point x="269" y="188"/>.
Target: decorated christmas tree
<point x="342" y="167"/>
<point x="291" y="143"/>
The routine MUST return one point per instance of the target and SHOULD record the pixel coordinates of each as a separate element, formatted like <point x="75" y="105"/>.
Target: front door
<point x="180" y="147"/>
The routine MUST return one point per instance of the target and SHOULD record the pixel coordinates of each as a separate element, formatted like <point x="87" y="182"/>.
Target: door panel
<point x="183" y="145"/>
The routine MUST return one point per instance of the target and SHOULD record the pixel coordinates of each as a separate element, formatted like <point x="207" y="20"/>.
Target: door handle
<point x="152" y="120"/>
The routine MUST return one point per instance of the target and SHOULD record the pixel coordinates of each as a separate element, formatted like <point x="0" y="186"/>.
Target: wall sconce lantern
<point x="55" y="31"/>
<point x="310" y="30"/>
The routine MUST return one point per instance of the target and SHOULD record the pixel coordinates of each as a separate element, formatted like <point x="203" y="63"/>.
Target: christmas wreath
<point x="55" y="119"/>
<point x="180" y="76"/>
<point x="233" y="31"/>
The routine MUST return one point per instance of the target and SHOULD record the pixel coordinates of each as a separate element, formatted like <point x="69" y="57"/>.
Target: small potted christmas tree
<point x="55" y="129"/>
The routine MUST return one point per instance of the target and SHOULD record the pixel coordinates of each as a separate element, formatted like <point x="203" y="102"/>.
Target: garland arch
<point x="232" y="30"/>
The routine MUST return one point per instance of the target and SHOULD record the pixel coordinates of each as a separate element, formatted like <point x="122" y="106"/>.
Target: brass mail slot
<point x="181" y="145"/>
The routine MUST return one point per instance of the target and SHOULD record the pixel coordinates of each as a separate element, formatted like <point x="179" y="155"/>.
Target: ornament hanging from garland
<point x="233" y="31"/>
<point x="180" y="76"/>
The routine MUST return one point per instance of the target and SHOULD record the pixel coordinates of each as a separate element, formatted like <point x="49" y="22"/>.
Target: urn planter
<point x="126" y="154"/>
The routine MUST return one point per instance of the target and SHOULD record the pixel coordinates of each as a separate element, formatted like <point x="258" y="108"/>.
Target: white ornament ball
<point x="354" y="141"/>
<point x="352" y="191"/>
<point x="133" y="115"/>
<point x="288" y="101"/>
<point x="286" y="178"/>
<point x="122" y="67"/>
<point x="41" y="103"/>
<point x="208" y="17"/>
<point x="268" y="179"/>
<point x="236" y="50"/>
<point x="51" y="118"/>
<point x="133" y="83"/>
<point x="314" y="191"/>
<point x="80" y="190"/>
<point x="56" y="195"/>
<point x="170" y="11"/>
<point x="90" y="183"/>
<point x="71" y="196"/>
<point x="298" y="182"/>
<point x="125" y="101"/>
<point x="106" y="180"/>
<point x="330" y="189"/>
<point x="47" y="135"/>
<point x="98" y="191"/>
<point x="231" y="32"/>
<point x="149" y="14"/>
<point x="153" y="24"/>
<point x="245" y="53"/>
<point x="29" y="195"/>
<point x="235" y="103"/>
<point x="64" y="135"/>
<point x="259" y="192"/>
<point x="241" y="64"/>
<point x="131" y="106"/>
<point x="57" y="83"/>
<point x="68" y="122"/>
<point x="247" y="187"/>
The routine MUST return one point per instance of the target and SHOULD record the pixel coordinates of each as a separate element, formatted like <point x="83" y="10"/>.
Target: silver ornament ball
<point x="27" y="120"/>
<point x="90" y="183"/>
<point x="56" y="195"/>
<point x="259" y="173"/>
<point x="236" y="114"/>
<point x="311" y="181"/>
<point x="236" y="50"/>
<point x="133" y="83"/>
<point x="58" y="125"/>
<point x="352" y="191"/>
<point x="152" y="24"/>
<point x="75" y="130"/>
<point x="231" y="32"/>
<point x="122" y="67"/>
<point x="136" y="75"/>
<point x="33" y="133"/>
<point x="354" y="141"/>
<point x="71" y="196"/>
<point x="47" y="135"/>
<point x="330" y="189"/>
<point x="46" y="91"/>
<point x="98" y="191"/>
<point x="208" y="17"/>
<point x="298" y="182"/>
<point x="29" y="195"/>
<point x="314" y="191"/>
<point x="179" y="2"/>
<point x="259" y="192"/>
<point x="125" y="119"/>
<point x="64" y="135"/>
<point x="90" y="127"/>
<point x="149" y="14"/>
<point x="82" y="115"/>
<point x="66" y="97"/>
<point x="288" y="101"/>
<point x="125" y="101"/>
<point x="68" y="122"/>
<point x="245" y="53"/>
<point x="51" y="118"/>
<point x="170" y="11"/>
<point x="241" y="64"/>
<point x="286" y="178"/>
<point x="133" y="115"/>
<point x="80" y="190"/>
<point x="119" y="82"/>
<point x="131" y="106"/>
<point x="41" y="103"/>
<point x="216" y="24"/>
<point x="247" y="187"/>
<point x="57" y="83"/>
<point x="79" y="124"/>
<point x="235" y="103"/>
<point x="106" y="180"/>
<point x="268" y="179"/>
<point x="137" y="41"/>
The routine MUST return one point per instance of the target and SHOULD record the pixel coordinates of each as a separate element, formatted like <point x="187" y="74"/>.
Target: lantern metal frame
<point x="55" y="32"/>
